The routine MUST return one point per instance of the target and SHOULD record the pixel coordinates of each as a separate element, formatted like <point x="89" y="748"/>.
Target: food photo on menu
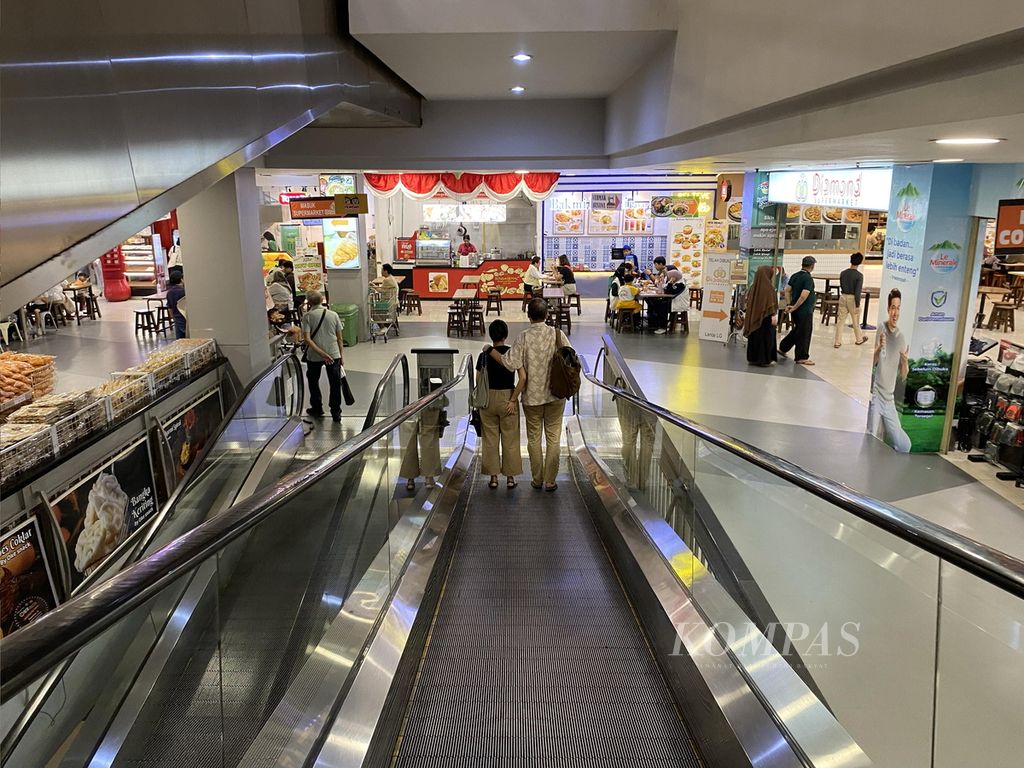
<point x="27" y="585"/>
<point x="104" y="509"/>
<point x="188" y="433"/>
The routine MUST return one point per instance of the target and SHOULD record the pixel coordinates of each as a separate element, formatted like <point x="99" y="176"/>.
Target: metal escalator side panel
<point x="733" y="691"/>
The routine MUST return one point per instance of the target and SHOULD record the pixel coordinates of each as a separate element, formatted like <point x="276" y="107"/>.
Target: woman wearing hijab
<point x="761" y="318"/>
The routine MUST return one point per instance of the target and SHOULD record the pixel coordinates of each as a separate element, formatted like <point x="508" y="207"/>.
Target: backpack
<point x="615" y="287"/>
<point x="480" y="394"/>
<point x="564" y="375"/>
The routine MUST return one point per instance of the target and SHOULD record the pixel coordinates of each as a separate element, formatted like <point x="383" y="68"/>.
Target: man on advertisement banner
<point x="891" y="366"/>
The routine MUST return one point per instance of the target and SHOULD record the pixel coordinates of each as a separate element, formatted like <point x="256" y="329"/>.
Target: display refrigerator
<point x="433" y="253"/>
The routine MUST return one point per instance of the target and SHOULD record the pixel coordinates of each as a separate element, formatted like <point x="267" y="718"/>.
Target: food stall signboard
<point x="311" y="207"/>
<point x="27" y="588"/>
<point x="686" y="248"/>
<point x="341" y="244"/>
<point x="104" y="509"/>
<point x="309" y="272"/>
<point x="405" y="249"/>
<point x="351" y="205"/>
<point x="472" y="212"/>
<point x="606" y="201"/>
<point x="864" y="188"/>
<point x="717" y="301"/>
<point x="1010" y="227"/>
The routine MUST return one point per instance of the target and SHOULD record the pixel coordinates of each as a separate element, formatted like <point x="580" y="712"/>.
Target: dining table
<point x="553" y="294"/>
<point x="75" y="293"/>
<point x="984" y="292"/>
<point x="868" y="293"/>
<point x="828" y="277"/>
<point x="464" y="296"/>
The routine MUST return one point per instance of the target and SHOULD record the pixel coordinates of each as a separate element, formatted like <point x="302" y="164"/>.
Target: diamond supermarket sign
<point x="861" y="188"/>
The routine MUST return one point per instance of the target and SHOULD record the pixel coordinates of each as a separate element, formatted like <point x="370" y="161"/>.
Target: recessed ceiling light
<point x="967" y="141"/>
<point x="517" y="89"/>
<point x="949" y="160"/>
<point x="521" y="58"/>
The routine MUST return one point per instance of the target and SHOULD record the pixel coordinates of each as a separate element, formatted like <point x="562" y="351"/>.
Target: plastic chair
<point x="8" y="328"/>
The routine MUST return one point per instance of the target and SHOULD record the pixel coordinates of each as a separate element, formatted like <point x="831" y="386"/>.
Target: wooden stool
<point x="402" y="297"/>
<point x="560" y="316"/>
<point x="1002" y="317"/>
<point x="476" y="322"/>
<point x="527" y="298"/>
<point x="626" y="317"/>
<point x="573" y="300"/>
<point x="785" y="320"/>
<point x="94" y="306"/>
<point x="164" y="319"/>
<point x="682" y="318"/>
<point x="493" y="301"/>
<point x="412" y="301"/>
<point x="145" y="322"/>
<point x="697" y="298"/>
<point x="456" y="321"/>
<point x="830" y="308"/>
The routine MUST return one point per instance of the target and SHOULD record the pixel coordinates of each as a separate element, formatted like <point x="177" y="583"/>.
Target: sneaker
<point x="318" y="414"/>
<point x="660" y="331"/>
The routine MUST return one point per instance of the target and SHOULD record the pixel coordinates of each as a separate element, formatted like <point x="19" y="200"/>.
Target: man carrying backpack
<point x="552" y="375"/>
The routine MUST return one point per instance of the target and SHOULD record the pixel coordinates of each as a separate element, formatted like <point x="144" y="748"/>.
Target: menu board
<point x="686" y="248"/>
<point x="681" y="205"/>
<point x="341" y="243"/>
<point x="717" y="302"/>
<point x="603" y="221"/>
<point x="105" y="508"/>
<point x="568" y="221"/>
<point x="716" y="235"/>
<point x="637" y="219"/>
<point x="188" y="432"/>
<point x="27" y="589"/>
<point x="405" y="249"/>
<point x="735" y="211"/>
<point x="309" y="272"/>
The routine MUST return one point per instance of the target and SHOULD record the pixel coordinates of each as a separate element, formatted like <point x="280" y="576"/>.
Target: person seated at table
<point x="533" y="280"/>
<point x="658" y="309"/>
<point x="628" y="293"/>
<point x="568" y="278"/>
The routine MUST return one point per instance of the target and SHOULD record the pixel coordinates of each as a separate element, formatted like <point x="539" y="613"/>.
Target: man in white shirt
<point x="533" y="349"/>
<point x="892" y="362"/>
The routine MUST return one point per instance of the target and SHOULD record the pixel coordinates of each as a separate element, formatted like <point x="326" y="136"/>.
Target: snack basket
<point x="28" y="452"/>
<point x="7" y="407"/>
<point x="201" y="355"/>
<point x="82" y="423"/>
<point x="135" y="390"/>
<point x="165" y="374"/>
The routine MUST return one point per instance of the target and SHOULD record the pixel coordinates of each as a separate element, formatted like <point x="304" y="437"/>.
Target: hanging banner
<point x="27" y="587"/>
<point x="717" y="303"/>
<point x="309" y="271"/>
<point x="105" y="508"/>
<point x="187" y="433"/>
<point x="920" y="300"/>
<point x="686" y="248"/>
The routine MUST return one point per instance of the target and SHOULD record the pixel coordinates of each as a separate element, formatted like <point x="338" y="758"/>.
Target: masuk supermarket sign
<point x="862" y="188"/>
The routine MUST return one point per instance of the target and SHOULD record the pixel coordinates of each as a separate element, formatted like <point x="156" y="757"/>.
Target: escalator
<point x="333" y="618"/>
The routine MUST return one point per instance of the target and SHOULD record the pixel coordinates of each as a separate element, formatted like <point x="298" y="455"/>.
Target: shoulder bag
<point x="305" y="347"/>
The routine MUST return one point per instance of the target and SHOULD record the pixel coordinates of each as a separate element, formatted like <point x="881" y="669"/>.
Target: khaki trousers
<point x="545" y="418"/>
<point x="500" y="427"/>
<point x="421" y="445"/>
<point x="848" y="306"/>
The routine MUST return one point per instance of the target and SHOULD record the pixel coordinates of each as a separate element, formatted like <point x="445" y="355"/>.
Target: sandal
<point x="536" y="486"/>
<point x="549" y="487"/>
<point x="410" y="485"/>
<point x="862" y="341"/>
<point x="837" y="346"/>
<point x="805" y="362"/>
<point x="493" y="482"/>
<point x="511" y="483"/>
<point x="430" y="482"/>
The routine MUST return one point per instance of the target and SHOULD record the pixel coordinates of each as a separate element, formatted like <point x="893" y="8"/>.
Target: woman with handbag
<point x="500" y="414"/>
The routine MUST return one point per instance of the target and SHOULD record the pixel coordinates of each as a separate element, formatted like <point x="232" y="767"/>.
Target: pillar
<point x="929" y="259"/>
<point x="761" y="225"/>
<point x="224" y="291"/>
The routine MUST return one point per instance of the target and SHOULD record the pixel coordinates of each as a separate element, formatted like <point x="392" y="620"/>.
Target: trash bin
<point x="349" y="314"/>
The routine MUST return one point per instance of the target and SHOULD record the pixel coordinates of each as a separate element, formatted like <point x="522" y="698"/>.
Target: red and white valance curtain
<point x="500" y="187"/>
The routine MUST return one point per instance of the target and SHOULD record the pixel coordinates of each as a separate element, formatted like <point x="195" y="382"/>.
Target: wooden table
<point x="470" y="280"/>
<point x="868" y="294"/>
<point x="74" y="292"/>
<point x="464" y="295"/>
<point x="553" y="294"/>
<point x="828" y="278"/>
<point x="984" y="292"/>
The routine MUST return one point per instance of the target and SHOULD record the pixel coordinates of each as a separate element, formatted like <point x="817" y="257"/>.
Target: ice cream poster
<point x="27" y="589"/>
<point x="105" y="508"/>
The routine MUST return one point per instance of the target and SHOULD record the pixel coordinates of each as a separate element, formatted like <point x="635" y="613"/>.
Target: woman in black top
<point x="566" y="273"/>
<point x="501" y="416"/>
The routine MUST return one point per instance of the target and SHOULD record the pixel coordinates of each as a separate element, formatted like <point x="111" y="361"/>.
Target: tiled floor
<point x="814" y="417"/>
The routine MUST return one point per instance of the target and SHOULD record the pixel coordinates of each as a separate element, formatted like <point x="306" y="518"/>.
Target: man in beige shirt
<point x="533" y="349"/>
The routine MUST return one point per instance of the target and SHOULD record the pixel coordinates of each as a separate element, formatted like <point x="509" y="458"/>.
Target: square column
<point x="224" y="290"/>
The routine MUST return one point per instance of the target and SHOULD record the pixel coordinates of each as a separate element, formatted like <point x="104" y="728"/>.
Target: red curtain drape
<point x="463" y="186"/>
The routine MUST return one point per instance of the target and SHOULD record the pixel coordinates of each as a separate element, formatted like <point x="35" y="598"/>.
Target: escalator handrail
<point x="371" y="413"/>
<point x="991" y="565"/>
<point x="30" y="652"/>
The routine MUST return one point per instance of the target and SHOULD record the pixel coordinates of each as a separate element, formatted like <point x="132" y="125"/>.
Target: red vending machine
<point x="115" y="284"/>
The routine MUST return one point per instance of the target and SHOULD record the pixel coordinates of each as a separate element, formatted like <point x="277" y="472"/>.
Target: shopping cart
<point x="383" y="315"/>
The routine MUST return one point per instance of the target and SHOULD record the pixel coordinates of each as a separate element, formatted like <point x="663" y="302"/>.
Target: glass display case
<point x="433" y="252"/>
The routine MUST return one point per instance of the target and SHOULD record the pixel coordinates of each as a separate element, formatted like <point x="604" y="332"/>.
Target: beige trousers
<point x="500" y="428"/>
<point x="848" y="306"/>
<point x="545" y="418"/>
<point x="421" y="445"/>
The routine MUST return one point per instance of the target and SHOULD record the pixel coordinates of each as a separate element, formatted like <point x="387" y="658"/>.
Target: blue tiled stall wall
<point x="595" y="252"/>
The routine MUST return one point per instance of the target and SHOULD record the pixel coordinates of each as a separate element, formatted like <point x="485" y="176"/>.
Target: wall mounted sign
<point x="863" y="188"/>
<point x="1010" y="227"/>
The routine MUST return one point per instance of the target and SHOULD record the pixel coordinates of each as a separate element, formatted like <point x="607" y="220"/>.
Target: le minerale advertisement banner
<point x="188" y="433"/>
<point x="921" y="297"/>
<point x="27" y="589"/>
<point x="105" y="508"/>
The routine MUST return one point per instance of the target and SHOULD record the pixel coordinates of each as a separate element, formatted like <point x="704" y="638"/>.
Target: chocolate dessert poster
<point x="105" y="508"/>
<point x="27" y="589"/>
<point x="188" y="432"/>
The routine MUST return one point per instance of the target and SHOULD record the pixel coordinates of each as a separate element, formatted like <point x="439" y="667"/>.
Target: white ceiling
<point x="577" y="64"/>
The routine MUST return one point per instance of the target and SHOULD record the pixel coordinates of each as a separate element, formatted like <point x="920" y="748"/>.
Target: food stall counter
<point x="440" y="282"/>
